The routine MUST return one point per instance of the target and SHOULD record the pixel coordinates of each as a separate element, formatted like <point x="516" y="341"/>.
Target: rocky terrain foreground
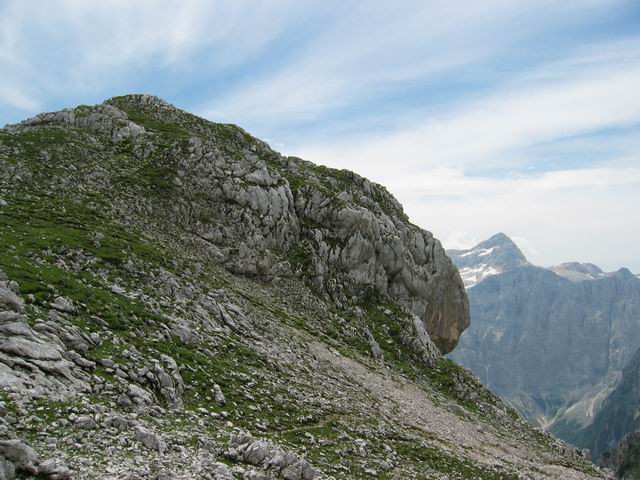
<point x="179" y="301"/>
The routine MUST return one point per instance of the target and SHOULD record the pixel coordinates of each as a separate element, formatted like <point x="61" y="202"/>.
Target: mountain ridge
<point x="177" y="300"/>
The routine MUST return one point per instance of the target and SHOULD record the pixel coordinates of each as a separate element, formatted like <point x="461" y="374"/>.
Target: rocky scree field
<point x="179" y="301"/>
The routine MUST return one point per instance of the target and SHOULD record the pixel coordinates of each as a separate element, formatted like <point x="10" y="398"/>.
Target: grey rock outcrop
<point x="344" y="237"/>
<point x="32" y="359"/>
<point x="53" y="469"/>
<point x="102" y="118"/>
<point x="361" y="239"/>
<point x="85" y="423"/>
<point x="16" y="457"/>
<point x="22" y="456"/>
<point x="245" y="448"/>
<point x="150" y="440"/>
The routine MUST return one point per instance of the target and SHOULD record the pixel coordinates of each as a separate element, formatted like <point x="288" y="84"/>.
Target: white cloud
<point x="583" y="215"/>
<point x="48" y="48"/>
<point x="526" y="246"/>
<point x="16" y="98"/>
<point x="459" y="241"/>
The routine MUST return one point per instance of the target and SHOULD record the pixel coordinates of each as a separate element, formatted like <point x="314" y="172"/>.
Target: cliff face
<point x="553" y="341"/>
<point x="618" y="416"/>
<point x="177" y="300"/>
<point x="625" y="458"/>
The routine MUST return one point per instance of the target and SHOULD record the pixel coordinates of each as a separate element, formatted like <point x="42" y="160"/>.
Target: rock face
<point x="360" y="240"/>
<point x="625" y="459"/>
<point x="551" y="341"/>
<point x="36" y="358"/>
<point x="343" y="234"/>
<point x="177" y="300"/>
<point x="618" y="416"/>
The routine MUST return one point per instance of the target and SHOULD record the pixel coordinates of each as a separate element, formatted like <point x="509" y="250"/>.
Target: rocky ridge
<point x="179" y="301"/>
<point x="251" y="205"/>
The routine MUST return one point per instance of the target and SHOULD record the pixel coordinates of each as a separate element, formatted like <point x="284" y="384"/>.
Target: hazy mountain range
<point x="553" y="341"/>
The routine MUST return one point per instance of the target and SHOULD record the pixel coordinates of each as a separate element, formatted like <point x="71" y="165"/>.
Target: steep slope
<point x="180" y="301"/>
<point x="625" y="459"/>
<point x="553" y="341"/>
<point x="620" y="413"/>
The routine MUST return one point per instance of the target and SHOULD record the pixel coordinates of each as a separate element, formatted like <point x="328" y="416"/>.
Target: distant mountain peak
<point x="578" y="272"/>
<point x="500" y="239"/>
<point x="624" y="272"/>
<point x="495" y="255"/>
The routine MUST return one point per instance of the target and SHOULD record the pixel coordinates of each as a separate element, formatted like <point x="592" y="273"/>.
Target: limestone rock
<point x="150" y="439"/>
<point x="23" y="457"/>
<point x="218" y="396"/>
<point x="53" y="469"/>
<point x="244" y="448"/>
<point x="85" y="423"/>
<point x="32" y="361"/>
<point x="63" y="305"/>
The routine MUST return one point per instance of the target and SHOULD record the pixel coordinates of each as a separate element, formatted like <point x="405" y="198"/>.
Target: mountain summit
<point x="178" y="300"/>
<point x="496" y="255"/>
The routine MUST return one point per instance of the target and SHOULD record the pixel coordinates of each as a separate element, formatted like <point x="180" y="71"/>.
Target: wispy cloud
<point x="484" y="165"/>
<point x="519" y="114"/>
<point x="15" y="97"/>
<point x="374" y="49"/>
<point x="102" y="48"/>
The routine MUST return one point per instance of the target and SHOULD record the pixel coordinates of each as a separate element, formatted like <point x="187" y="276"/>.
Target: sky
<point x="519" y="116"/>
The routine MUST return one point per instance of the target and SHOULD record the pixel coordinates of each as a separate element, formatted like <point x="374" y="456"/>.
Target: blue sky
<point x="516" y="116"/>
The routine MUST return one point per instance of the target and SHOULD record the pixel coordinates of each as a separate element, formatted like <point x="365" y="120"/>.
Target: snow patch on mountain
<point x="491" y="257"/>
<point x="473" y="275"/>
<point x="578" y="272"/>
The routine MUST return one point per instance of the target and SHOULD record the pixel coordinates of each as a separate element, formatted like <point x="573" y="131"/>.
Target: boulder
<point x="150" y="439"/>
<point x="85" y="422"/>
<point x="21" y="455"/>
<point x="54" y="469"/>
